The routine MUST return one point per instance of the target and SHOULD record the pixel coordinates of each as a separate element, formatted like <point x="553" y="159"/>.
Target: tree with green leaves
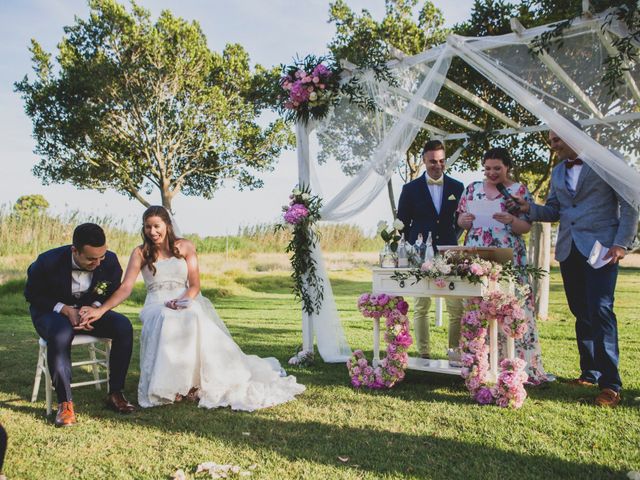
<point x="137" y="106"/>
<point x="360" y="39"/>
<point x="30" y="206"/>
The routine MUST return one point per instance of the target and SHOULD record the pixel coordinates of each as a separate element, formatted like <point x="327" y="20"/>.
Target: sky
<point x="272" y="32"/>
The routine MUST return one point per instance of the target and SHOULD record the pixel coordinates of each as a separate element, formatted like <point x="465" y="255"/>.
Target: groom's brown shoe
<point x="608" y="398"/>
<point x="117" y="402"/>
<point x="65" y="416"/>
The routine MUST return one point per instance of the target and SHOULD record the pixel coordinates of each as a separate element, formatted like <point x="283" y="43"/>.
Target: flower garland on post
<point x="309" y="87"/>
<point x="507" y="310"/>
<point x="391" y="369"/>
<point x="301" y="214"/>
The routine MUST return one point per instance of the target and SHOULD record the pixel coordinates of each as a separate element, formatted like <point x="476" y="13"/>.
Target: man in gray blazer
<point x="588" y="210"/>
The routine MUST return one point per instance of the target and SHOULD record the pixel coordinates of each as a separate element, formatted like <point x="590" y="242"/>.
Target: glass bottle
<point x="403" y="258"/>
<point x="429" y="253"/>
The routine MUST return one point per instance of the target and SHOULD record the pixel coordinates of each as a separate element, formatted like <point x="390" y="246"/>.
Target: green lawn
<point x="427" y="427"/>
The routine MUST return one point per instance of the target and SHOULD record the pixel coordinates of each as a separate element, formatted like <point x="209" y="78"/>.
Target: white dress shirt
<point x="80" y="283"/>
<point x="436" y="192"/>
<point x="573" y="174"/>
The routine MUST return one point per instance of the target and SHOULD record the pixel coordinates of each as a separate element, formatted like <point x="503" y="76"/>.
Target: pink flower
<point x="476" y="269"/>
<point x="440" y="282"/>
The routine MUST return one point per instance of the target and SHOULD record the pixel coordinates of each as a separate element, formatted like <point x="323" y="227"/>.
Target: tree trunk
<point x="540" y="256"/>
<point x="392" y="200"/>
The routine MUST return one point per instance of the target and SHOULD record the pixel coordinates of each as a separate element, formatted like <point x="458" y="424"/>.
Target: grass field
<point x="425" y="428"/>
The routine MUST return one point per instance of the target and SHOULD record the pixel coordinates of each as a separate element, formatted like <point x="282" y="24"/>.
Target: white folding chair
<point x="97" y="358"/>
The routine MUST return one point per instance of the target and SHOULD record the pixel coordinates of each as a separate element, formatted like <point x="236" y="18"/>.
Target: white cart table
<point x="456" y="287"/>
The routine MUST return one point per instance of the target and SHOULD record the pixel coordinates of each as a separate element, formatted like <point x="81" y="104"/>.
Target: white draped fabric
<point x="565" y="83"/>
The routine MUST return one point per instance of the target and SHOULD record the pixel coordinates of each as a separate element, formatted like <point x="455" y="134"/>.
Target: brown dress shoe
<point x="65" y="416"/>
<point x="579" y="382"/>
<point x="608" y="398"/>
<point x="117" y="402"/>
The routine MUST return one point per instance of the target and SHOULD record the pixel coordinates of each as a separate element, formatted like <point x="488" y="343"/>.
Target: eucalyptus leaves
<point x="301" y="215"/>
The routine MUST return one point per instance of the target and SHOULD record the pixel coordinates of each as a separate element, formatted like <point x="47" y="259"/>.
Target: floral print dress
<point x="527" y="347"/>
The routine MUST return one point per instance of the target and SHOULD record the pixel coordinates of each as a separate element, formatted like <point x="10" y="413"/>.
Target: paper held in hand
<point x="483" y="211"/>
<point x="596" y="257"/>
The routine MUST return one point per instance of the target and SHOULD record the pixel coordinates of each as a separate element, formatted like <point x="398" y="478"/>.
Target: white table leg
<point x="493" y="348"/>
<point x="511" y="348"/>
<point x="376" y="342"/>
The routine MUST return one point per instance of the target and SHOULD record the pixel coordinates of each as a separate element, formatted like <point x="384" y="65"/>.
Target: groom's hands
<point x="88" y="315"/>
<point x="73" y="315"/>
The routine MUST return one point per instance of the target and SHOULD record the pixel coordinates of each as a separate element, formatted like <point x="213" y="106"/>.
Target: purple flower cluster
<point x="304" y="86"/>
<point x="392" y="368"/>
<point x="296" y="213"/>
<point x="509" y="390"/>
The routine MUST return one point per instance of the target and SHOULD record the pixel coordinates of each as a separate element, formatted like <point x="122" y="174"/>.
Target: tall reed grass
<point x="37" y="233"/>
<point x="32" y="235"/>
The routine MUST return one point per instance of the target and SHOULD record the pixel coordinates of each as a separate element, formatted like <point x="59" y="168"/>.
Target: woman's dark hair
<point x="88" y="234"/>
<point x="149" y="249"/>
<point x="499" y="153"/>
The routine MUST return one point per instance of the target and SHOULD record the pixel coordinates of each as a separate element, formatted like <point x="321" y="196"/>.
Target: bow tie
<point x="571" y="163"/>
<point x="431" y="181"/>
<point x="78" y="269"/>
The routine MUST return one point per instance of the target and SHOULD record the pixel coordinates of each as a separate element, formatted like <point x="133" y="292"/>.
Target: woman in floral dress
<point x="497" y="164"/>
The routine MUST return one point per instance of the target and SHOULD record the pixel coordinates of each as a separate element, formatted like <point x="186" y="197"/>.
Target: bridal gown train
<point x="181" y="349"/>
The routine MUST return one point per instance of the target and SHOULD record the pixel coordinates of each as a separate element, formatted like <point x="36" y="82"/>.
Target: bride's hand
<point x="171" y="304"/>
<point x="88" y="315"/>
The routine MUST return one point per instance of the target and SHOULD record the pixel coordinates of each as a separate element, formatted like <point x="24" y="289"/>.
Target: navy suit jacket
<point x="49" y="281"/>
<point x="419" y="215"/>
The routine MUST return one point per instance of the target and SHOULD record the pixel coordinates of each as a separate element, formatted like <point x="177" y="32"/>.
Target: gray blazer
<point x="596" y="212"/>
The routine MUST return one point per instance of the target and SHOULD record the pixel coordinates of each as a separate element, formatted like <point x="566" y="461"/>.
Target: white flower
<point x="313" y="96"/>
<point x="382" y="225"/>
<point x="305" y="196"/>
<point x="296" y="191"/>
<point x="397" y="224"/>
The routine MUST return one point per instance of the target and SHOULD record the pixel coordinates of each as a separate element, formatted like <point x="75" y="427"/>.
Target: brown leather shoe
<point x="65" y="416"/>
<point x="117" y="402"/>
<point x="580" y="382"/>
<point x="608" y="398"/>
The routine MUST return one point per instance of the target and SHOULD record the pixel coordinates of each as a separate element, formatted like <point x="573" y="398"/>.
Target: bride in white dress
<point x="185" y="348"/>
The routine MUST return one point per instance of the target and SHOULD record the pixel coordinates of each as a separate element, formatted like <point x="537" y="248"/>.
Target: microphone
<point x="515" y="209"/>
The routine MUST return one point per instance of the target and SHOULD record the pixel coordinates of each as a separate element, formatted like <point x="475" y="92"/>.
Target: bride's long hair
<point x="150" y="249"/>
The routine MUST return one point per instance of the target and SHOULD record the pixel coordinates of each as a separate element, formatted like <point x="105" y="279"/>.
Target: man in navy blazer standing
<point x="589" y="210"/>
<point x="428" y="205"/>
<point x="61" y="281"/>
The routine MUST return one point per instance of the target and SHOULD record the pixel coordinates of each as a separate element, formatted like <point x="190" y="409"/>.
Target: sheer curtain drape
<point x="565" y="83"/>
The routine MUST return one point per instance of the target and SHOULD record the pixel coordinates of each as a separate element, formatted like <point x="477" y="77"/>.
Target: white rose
<point x="305" y="196"/>
<point x="313" y="96"/>
<point x="382" y="225"/>
<point x="296" y="191"/>
<point x="397" y="224"/>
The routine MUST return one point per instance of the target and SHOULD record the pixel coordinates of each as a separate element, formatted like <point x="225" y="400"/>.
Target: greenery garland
<point x="301" y="215"/>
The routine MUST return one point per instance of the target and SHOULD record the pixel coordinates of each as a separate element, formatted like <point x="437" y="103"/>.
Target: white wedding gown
<point x="181" y="349"/>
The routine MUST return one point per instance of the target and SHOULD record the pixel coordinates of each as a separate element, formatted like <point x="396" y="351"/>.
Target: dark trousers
<point x="56" y="329"/>
<point x="3" y="445"/>
<point x="590" y="294"/>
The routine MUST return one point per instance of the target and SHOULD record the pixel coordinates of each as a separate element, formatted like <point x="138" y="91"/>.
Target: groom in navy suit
<point x="61" y="281"/>
<point x="428" y="204"/>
